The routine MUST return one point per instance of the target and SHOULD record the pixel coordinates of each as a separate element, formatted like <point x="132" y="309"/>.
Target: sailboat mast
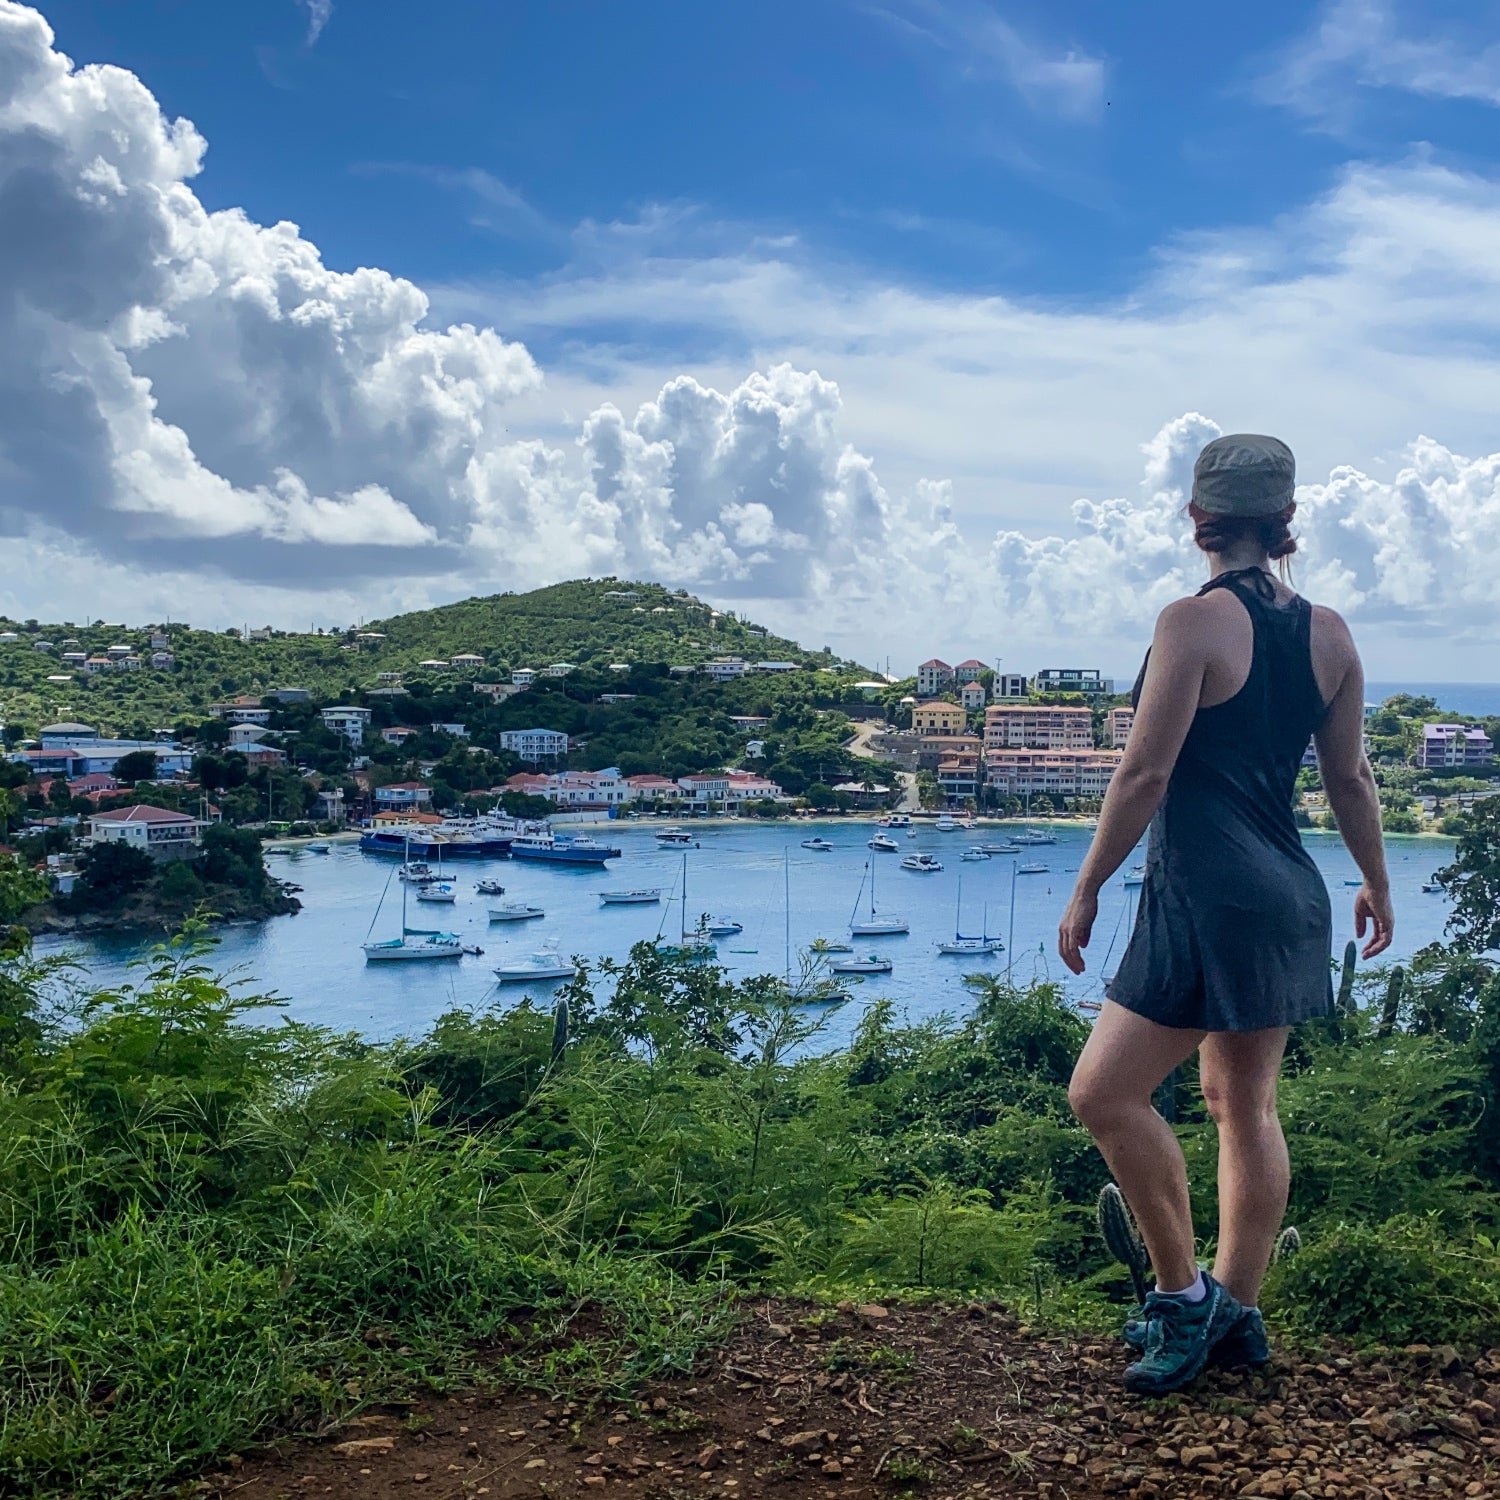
<point x="405" y="861"/>
<point x="958" y="909"/>
<point x="1010" y="944"/>
<point x="786" y="890"/>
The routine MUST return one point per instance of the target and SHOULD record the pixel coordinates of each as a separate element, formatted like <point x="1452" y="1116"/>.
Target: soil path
<point x="812" y="1404"/>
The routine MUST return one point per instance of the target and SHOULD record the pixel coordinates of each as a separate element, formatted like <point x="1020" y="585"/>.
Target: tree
<point x="20" y="887"/>
<point x="231" y="856"/>
<point x="139" y="765"/>
<point x="109" y="871"/>
<point x="1473" y="880"/>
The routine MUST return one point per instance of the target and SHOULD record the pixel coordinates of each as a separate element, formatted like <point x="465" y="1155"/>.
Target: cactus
<point x="1392" y="1005"/>
<point x="1288" y="1243"/>
<point x="1119" y="1232"/>
<point x="559" y="1030"/>
<point x="1345" y="1005"/>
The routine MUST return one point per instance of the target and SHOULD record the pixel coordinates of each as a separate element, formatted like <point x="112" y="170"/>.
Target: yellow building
<point x="939" y="717"/>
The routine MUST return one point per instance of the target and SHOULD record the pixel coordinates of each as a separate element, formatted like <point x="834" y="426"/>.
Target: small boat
<point x="820" y="946"/>
<point x="1031" y="869"/>
<point x="437" y="892"/>
<point x="489" y="888"/>
<point x="1135" y="876"/>
<point x="720" y="927"/>
<point x="876" y="924"/>
<point x="896" y="820"/>
<point x="924" y="864"/>
<point x="883" y="844"/>
<point x="417" y="872"/>
<point x="1431" y="886"/>
<point x="821" y="845"/>
<point x="962" y="945"/>
<point x="515" y="911"/>
<point x="278" y="849"/>
<point x="674" y="836"/>
<point x="945" y="824"/>
<point x="414" y="943"/>
<point x="695" y="947"/>
<point x="1354" y="882"/>
<point x="873" y="964"/>
<point x="1032" y="836"/>
<point x="998" y="848"/>
<point x="648" y="897"/>
<point x="974" y="854"/>
<point x="537" y="966"/>
<point x="317" y="848"/>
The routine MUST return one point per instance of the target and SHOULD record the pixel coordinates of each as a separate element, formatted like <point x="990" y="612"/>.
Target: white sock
<point x="1196" y="1292"/>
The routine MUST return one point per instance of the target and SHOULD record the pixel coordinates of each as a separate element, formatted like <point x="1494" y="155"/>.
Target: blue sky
<point x="872" y="317"/>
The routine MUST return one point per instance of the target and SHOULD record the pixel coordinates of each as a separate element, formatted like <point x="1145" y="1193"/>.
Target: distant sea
<point x="1476" y="699"/>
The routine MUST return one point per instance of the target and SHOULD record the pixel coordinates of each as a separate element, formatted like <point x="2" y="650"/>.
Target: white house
<point x="243" y="735"/>
<point x="971" y="695"/>
<point x="561" y="669"/>
<point x="155" y="831"/>
<point x="1012" y="685"/>
<point x="403" y="796"/>
<point x="523" y="677"/>
<point x="932" y="677"/>
<point x="241" y="711"/>
<point x="347" y="721"/>
<point x="535" y="744"/>
<point x="724" y="668"/>
<point x="458" y="731"/>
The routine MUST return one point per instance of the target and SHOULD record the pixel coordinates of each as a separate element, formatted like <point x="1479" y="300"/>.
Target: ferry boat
<point x="1035" y="836"/>
<point x="648" y="897"/>
<point x="560" y="849"/>
<point x="1031" y="869"/>
<point x="427" y="842"/>
<point x="883" y="844"/>
<point x="515" y="911"/>
<point x="876" y="924"/>
<point x="924" y="864"/>
<point x="674" y="836"/>
<point x="821" y="845"/>
<point x="537" y="966"/>
<point x="873" y="964"/>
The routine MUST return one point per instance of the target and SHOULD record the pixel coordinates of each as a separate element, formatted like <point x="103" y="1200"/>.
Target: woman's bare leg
<point x="1121" y="1066"/>
<point x="1239" y="1071"/>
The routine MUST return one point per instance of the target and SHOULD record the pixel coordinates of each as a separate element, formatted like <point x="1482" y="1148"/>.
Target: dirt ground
<point x="812" y="1404"/>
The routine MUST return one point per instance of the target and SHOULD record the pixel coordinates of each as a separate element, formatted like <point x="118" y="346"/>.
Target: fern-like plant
<point x="1122" y="1237"/>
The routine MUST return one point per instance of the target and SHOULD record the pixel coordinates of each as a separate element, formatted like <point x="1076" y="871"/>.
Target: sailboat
<point x="874" y="925"/>
<point x="697" y="945"/>
<point x="414" y="942"/>
<point x="809" y="989"/>
<point x="958" y="943"/>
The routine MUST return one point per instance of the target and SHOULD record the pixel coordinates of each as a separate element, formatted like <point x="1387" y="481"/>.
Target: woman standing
<point x="1232" y="940"/>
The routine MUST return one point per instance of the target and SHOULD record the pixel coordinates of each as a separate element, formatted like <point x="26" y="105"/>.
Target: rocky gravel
<point x="921" y="1402"/>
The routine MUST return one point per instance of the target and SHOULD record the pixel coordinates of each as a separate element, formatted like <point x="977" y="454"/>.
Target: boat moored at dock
<point x="561" y="849"/>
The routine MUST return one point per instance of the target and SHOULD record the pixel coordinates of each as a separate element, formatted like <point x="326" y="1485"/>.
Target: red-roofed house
<point x="969" y="671"/>
<point x="933" y="676"/>
<point x="157" y="831"/>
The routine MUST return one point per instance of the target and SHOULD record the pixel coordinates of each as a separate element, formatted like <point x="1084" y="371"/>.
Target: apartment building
<point x="1011" y="685"/>
<point x="347" y="721"/>
<point x="933" y="676"/>
<point x="1030" y="726"/>
<point x="1072" y="680"/>
<point x="939" y="717"/>
<point x="1057" y="773"/>
<point x="535" y="744"/>
<point x="961" y="774"/>
<point x="1118" y="723"/>
<point x="1455" y="745"/>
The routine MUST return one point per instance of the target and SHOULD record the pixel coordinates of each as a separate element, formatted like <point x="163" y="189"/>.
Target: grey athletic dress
<point x="1234" y="930"/>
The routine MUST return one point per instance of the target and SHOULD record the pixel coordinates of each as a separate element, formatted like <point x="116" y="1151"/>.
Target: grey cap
<point x="1244" y="474"/>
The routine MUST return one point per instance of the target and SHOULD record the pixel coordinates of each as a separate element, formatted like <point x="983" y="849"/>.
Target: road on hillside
<point x="860" y="746"/>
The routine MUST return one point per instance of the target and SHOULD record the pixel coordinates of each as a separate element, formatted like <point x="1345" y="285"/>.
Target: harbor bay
<point x="737" y="870"/>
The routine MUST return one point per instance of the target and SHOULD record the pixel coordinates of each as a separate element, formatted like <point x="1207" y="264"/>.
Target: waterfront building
<point x="932" y="677"/>
<point x="1011" y="685"/>
<point x="939" y="717"/>
<point x="971" y="695"/>
<point x="156" y="831"/>
<point x="579" y="791"/>
<point x="347" y="721"/>
<point x="1033" y="726"/>
<point x="534" y="744"/>
<point x="1118" y="723"/>
<point x="1455" y="745"/>
<point x="1057" y="773"/>
<point x="329" y="805"/>
<point x="961" y="774"/>
<point x="934" y="749"/>
<point x="653" y="789"/>
<point x="403" y="796"/>
<point x="1072" y="680"/>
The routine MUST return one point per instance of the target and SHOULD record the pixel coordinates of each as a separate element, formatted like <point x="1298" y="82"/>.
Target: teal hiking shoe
<point x="1245" y="1344"/>
<point x="1181" y="1338"/>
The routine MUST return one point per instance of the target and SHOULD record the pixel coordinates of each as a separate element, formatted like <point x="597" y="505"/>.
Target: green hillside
<point x="575" y="622"/>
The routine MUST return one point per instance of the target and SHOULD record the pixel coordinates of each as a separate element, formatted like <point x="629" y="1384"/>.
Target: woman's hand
<point x="1373" y="906"/>
<point x="1077" y="925"/>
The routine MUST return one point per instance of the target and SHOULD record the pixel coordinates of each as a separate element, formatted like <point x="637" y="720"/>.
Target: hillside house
<point x="157" y="831"/>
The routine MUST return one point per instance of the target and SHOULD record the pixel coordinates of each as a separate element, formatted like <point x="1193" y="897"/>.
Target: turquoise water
<point x="313" y="959"/>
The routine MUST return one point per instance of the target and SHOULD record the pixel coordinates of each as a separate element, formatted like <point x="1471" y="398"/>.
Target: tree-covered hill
<point x="589" y="622"/>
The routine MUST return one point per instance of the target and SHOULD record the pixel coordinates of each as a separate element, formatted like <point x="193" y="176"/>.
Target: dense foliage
<point x="213" y="1223"/>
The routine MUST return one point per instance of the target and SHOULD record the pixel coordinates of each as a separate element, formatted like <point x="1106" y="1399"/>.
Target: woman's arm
<point x="1169" y="699"/>
<point x="1350" y="787"/>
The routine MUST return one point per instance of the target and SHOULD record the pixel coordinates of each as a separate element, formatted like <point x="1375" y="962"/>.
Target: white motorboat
<point x="646" y="897"/>
<point x="674" y="836"/>
<point x="821" y="845"/>
<point x="1135" y="877"/>
<point x="923" y="864"/>
<point x="876" y="924"/>
<point x="437" y="891"/>
<point x="820" y="946"/>
<point x="895" y="820"/>
<point x="945" y="824"/>
<point x="489" y="888"/>
<point x="1429" y="887"/>
<point x="973" y="855"/>
<point x="1035" y="836"/>
<point x="884" y="844"/>
<point x="317" y="848"/>
<point x="515" y="911"/>
<point x="416" y="872"/>
<point x="1031" y="869"/>
<point x="278" y="849"/>
<point x="873" y="964"/>
<point x="998" y="848"/>
<point x="720" y="927"/>
<point x="414" y="943"/>
<point x="537" y="966"/>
